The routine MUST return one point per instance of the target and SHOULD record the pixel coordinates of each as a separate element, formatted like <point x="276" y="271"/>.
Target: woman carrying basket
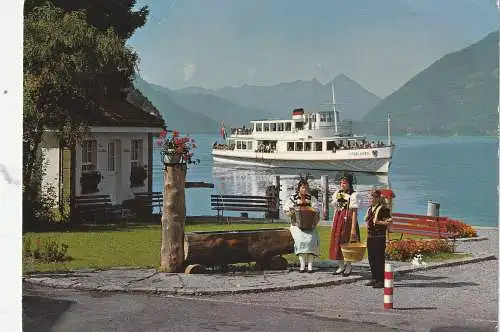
<point x="306" y="240"/>
<point x="345" y="226"/>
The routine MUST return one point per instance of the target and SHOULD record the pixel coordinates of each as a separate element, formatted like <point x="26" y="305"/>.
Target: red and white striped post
<point x="388" y="286"/>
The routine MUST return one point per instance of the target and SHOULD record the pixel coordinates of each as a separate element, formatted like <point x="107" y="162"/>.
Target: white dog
<point x="418" y="261"/>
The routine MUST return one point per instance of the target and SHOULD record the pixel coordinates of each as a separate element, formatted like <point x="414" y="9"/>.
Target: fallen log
<point x="229" y="247"/>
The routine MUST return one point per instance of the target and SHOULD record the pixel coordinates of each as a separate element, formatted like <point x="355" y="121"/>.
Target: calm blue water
<point x="461" y="173"/>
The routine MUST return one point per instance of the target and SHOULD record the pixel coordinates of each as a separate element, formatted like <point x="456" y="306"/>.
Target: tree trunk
<point x="172" y="221"/>
<point x="228" y="247"/>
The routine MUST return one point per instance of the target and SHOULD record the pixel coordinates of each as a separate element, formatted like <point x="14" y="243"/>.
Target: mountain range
<point x="279" y="100"/>
<point x="456" y="95"/>
<point x="203" y="110"/>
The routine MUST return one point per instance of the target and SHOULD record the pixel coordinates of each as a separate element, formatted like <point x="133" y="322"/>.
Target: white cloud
<point x="189" y="70"/>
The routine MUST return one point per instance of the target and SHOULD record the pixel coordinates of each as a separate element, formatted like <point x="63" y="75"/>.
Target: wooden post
<point x="325" y="194"/>
<point x="278" y="190"/>
<point x="172" y="220"/>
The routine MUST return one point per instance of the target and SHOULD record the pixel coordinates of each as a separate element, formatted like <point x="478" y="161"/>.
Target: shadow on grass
<point x="42" y="313"/>
<point x="136" y="224"/>
<point x="111" y="227"/>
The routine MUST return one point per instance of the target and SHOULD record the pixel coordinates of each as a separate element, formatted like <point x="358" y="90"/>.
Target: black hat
<point x="346" y="176"/>
<point x="303" y="180"/>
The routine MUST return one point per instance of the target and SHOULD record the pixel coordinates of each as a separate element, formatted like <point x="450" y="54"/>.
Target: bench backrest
<point x="420" y="225"/>
<point x="157" y="195"/>
<point x="236" y="201"/>
<point x="91" y="201"/>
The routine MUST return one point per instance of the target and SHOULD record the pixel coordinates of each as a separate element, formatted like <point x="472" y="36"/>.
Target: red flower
<point x="175" y="133"/>
<point x="163" y="133"/>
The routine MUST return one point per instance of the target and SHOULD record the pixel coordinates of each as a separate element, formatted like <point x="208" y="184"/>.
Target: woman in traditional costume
<point x="345" y="226"/>
<point x="306" y="242"/>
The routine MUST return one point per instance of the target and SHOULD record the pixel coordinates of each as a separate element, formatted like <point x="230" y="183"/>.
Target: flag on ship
<point x="222" y="130"/>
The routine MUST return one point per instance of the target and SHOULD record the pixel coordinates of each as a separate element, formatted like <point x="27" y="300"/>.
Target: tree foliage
<point x="102" y="14"/>
<point x="70" y="67"/>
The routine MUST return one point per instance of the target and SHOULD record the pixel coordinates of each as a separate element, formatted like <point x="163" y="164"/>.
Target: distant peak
<point x="342" y="77"/>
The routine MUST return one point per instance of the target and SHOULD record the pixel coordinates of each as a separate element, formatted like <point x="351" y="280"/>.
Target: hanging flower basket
<point x="176" y="149"/>
<point x="170" y="157"/>
<point x="89" y="182"/>
<point x="137" y="176"/>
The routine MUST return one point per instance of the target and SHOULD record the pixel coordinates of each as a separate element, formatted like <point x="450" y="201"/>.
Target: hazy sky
<point x="379" y="43"/>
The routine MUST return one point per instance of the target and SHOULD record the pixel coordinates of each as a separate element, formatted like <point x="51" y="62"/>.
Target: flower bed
<point x="464" y="229"/>
<point x="406" y="249"/>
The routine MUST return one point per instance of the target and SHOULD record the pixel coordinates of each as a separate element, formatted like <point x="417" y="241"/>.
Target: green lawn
<point x="135" y="246"/>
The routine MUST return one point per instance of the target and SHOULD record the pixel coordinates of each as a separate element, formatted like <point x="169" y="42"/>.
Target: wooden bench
<point x="146" y="202"/>
<point x="222" y="203"/>
<point x="96" y="207"/>
<point x="434" y="227"/>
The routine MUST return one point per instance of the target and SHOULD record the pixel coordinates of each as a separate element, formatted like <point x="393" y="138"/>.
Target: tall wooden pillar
<point x="172" y="220"/>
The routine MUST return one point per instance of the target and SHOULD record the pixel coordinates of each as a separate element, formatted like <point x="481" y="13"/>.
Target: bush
<point x="47" y="251"/>
<point x="460" y="227"/>
<point x="406" y="249"/>
<point x="39" y="199"/>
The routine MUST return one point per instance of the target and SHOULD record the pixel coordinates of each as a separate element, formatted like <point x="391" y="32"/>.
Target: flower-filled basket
<point x="175" y="149"/>
<point x="137" y="176"/>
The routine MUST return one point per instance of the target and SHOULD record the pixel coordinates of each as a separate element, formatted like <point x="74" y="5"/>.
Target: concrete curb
<point x="197" y="292"/>
<point x="470" y="239"/>
<point x="457" y="262"/>
<point x="259" y="289"/>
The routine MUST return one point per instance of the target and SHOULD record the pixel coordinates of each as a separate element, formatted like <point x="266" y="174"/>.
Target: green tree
<point x="69" y="68"/>
<point x="102" y="14"/>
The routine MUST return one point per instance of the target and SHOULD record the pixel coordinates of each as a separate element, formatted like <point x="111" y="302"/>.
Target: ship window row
<point x="305" y="146"/>
<point x="273" y="126"/>
<point x="244" y="145"/>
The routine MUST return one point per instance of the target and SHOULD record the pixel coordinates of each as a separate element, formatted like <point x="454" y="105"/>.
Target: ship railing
<point x="241" y="131"/>
<point x="222" y="147"/>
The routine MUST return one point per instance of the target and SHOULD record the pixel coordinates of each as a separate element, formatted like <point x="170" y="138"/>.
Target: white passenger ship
<point x="314" y="141"/>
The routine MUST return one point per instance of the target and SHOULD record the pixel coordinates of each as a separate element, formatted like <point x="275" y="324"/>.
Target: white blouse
<point x="289" y="203"/>
<point x="353" y="199"/>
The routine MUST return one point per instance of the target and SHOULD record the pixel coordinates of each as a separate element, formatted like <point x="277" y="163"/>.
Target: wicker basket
<point x="306" y="218"/>
<point x="353" y="252"/>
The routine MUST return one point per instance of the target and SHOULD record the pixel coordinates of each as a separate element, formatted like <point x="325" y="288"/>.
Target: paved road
<point x="447" y="299"/>
<point x="68" y="310"/>
<point x="461" y="295"/>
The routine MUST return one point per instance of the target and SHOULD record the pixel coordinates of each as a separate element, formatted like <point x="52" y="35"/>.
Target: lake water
<point x="461" y="173"/>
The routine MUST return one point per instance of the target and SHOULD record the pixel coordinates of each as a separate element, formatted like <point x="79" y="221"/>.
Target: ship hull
<point x="377" y="160"/>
